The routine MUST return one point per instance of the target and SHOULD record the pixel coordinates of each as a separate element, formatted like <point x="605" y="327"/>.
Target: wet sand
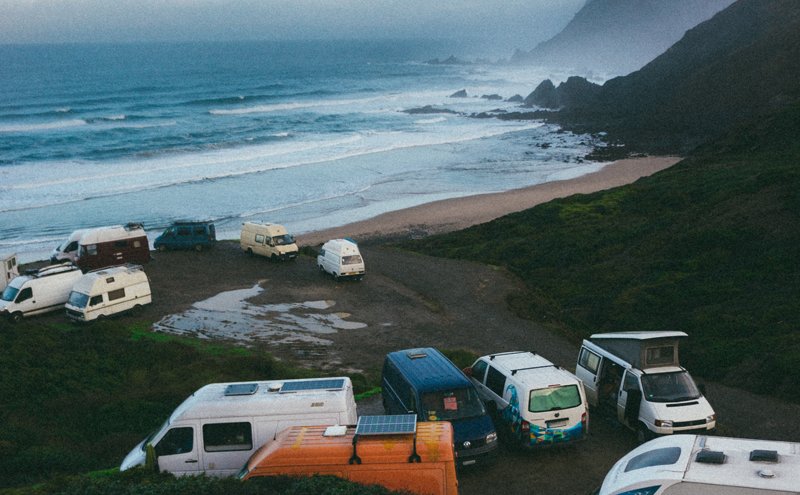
<point x="459" y="213"/>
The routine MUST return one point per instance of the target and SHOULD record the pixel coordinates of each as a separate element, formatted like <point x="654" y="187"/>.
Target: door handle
<point x="191" y="461"/>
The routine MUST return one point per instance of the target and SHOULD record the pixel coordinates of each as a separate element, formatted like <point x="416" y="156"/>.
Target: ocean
<point x="306" y="134"/>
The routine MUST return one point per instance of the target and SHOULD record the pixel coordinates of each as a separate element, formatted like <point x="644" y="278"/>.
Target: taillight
<point x="526" y="427"/>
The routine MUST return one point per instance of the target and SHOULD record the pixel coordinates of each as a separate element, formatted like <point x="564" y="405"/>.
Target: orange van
<point x="422" y="462"/>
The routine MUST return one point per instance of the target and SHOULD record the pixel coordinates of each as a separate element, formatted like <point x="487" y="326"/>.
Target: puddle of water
<point x="228" y="315"/>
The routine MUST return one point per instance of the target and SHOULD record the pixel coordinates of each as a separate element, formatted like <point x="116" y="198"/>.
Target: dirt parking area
<point x="406" y="300"/>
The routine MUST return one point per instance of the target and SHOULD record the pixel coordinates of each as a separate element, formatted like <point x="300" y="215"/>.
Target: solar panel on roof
<point x="386" y="425"/>
<point x="329" y="384"/>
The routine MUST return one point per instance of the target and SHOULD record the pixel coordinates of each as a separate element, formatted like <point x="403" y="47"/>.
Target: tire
<point x="101" y="318"/>
<point x="273" y="258"/>
<point x="321" y="270"/>
<point x="250" y="251"/>
<point x="643" y="434"/>
<point x="198" y="247"/>
<point x="16" y="317"/>
<point x="136" y="310"/>
<point x="162" y="248"/>
<point x="335" y="276"/>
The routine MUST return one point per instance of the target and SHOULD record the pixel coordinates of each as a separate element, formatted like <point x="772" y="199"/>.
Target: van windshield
<point x="554" y="399"/>
<point x="451" y="405"/>
<point x="669" y="387"/>
<point x="281" y="240"/>
<point x="351" y="260"/>
<point x="10" y="293"/>
<point x="78" y="300"/>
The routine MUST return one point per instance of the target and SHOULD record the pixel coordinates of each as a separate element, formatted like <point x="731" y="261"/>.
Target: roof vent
<point x="416" y="354"/>
<point x="764" y="456"/>
<point x="766" y="473"/>
<point x="241" y="389"/>
<point x="710" y="457"/>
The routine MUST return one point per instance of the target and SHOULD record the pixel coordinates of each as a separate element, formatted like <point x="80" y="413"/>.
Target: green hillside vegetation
<point x="74" y="399"/>
<point x="709" y="247"/>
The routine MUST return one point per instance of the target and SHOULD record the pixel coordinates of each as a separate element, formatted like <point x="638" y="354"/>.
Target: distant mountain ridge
<point x="744" y="61"/>
<point x="620" y="36"/>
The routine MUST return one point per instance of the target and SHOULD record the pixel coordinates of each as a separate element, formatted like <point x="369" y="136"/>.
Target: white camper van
<point x="39" y="291"/>
<point x="217" y="429"/>
<point x="269" y="239"/>
<point x="109" y="291"/>
<point x="68" y="250"/>
<point x="538" y="403"/>
<point x="342" y="259"/>
<point x="10" y="270"/>
<point x="703" y="465"/>
<point x="636" y="377"/>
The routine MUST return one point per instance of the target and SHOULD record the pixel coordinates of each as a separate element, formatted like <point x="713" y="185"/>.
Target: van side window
<point x="120" y="244"/>
<point x="176" y="441"/>
<point x="90" y="250"/>
<point x="479" y="370"/>
<point x="25" y="294"/>
<point x="184" y="231"/>
<point x="496" y="381"/>
<point x="660" y="355"/>
<point x="116" y="294"/>
<point x="223" y="437"/>
<point x="631" y="382"/>
<point x="95" y="300"/>
<point x="259" y="239"/>
<point x="589" y="360"/>
<point x="322" y="253"/>
<point x="198" y="230"/>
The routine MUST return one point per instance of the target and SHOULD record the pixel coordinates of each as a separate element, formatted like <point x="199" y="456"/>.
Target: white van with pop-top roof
<point x="635" y="376"/>
<point x="342" y="259"/>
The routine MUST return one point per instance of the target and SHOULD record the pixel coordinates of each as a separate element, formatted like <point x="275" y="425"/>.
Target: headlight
<point x="711" y="419"/>
<point x="665" y="423"/>
<point x="491" y="437"/>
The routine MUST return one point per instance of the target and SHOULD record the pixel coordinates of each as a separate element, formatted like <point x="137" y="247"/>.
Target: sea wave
<point x="42" y="127"/>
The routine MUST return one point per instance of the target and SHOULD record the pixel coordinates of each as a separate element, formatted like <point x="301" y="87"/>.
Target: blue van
<point x="187" y="235"/>
<point x="424" y="382"/>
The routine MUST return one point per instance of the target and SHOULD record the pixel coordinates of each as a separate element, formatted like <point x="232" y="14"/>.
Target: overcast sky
<point x="504" y="24"/>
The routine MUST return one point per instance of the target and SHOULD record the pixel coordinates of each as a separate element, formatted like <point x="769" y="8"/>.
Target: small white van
<point x="218" y="428"/>
<point x="68" y="250"/>
<point x="39" y="291"/>
<point x="109" y="291"/>
<point x="706" y="465"/>
<point x="10" y="269"/>
<point x="269" y="239"/>
<point x="538" y="403"/>
<point x="635" y="376"/>
<point x="342" y="259"/>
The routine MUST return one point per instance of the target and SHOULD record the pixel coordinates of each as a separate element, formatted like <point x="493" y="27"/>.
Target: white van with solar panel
<point x="706" y="465"/>
<point x="217" y="429"/>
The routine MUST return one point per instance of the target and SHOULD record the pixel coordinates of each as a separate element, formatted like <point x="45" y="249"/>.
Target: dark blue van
<point x="187" y="235"/>
<point x="424" y="382"/>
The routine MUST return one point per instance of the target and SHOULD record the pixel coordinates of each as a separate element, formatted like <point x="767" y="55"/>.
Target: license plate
<point x="467" y="463"/>
<point x="557" y="424"/>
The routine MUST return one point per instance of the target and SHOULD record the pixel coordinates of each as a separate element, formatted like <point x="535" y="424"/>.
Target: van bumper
<point x="475" y="455"/>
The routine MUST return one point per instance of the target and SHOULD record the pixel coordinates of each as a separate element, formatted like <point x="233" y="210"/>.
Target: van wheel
<point x="16" y="317"/>
<point x="101" y="317"/>
<point x="321" y="270"/>
<point x="336" y="276"/>
<point x="136" y="310"/>
<point x="162" y="247"/>
<point x="643" y="434"/>
<point x="250" y="251"/>
<point x="198" y="247"/>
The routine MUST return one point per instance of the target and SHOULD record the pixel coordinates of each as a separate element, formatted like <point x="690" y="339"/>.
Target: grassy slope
<point x="76" y="399"/>
<point x="709" y="246"/>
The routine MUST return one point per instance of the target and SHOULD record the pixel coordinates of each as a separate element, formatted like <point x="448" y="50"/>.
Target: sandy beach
<point x="459" y="213"/>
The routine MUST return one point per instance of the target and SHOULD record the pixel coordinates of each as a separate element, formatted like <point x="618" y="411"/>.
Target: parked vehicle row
<point x="439" y="418"/>
<point x="85" y="296"/>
